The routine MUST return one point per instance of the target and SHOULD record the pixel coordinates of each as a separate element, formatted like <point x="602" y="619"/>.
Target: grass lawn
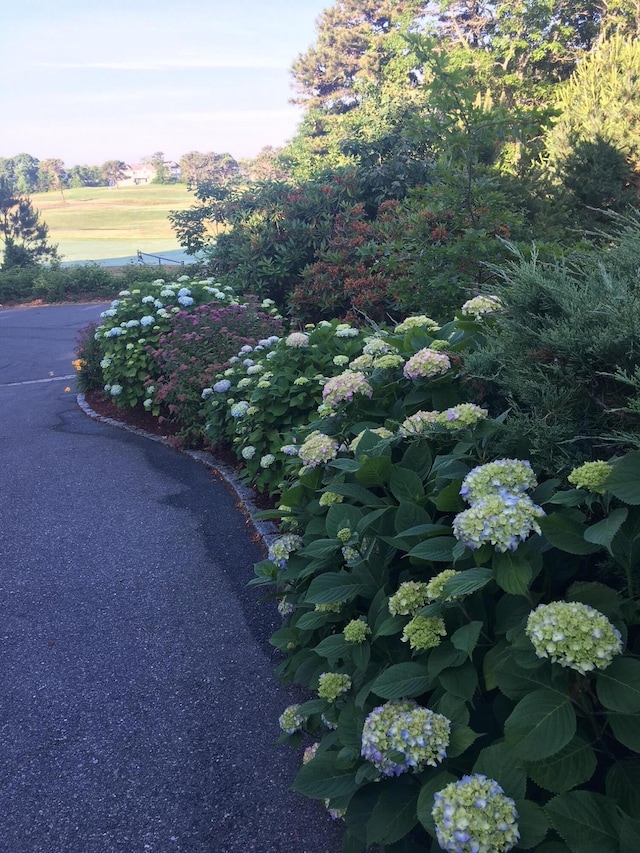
<point x="91" y="223"/>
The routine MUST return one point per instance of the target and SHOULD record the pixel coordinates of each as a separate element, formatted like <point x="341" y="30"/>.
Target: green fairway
<point x="92" y="223"/>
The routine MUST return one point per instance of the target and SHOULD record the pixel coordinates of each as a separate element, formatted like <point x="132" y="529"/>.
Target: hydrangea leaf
<point x="439" y="549"/>
<point x="623" y="785"/>
<point x="467" y="582"/>
<point x="322" y="778"/>
<point x="462" y="681"/>
<point x="624" y="480"/>
<point x="565" y="530"/>
<point x="334" y="586"/>
<point x="513" y="573"/>
<point x="603" y="532"/>
<point x="629" y="835"/>
<point x="406" y="485"/>
<point x="574" y="764"/>
<point x="394" y="814"/>
<point x="618" y="686"/>
<point x="498" y="762"/>
<point x="402" y="680"/>
<point x="532" y="824"/>
<point x="586" y="821"/>
<point x="626" y="728"/>
<point x="466" y="638"/>
<point x="540" y="725"/>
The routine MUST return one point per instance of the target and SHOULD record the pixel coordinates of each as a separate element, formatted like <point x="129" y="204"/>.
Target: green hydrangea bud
<point x="331" y="607"/>
<point x="333" y="684"/>
<point x="424" y="632"/>
<point x="591" y="476"/>
<point x="344" y="535"/>
<point x="330" y="498"/>
<point x="356" y="631"/>
<point x="435" y="587"/>
<point x="290" y="720"/>
<point x="410" y="597"/>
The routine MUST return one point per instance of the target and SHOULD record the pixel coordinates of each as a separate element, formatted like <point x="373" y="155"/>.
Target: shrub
<point x="493" y="695"/>
<point x="193" y="351"/>
<point x="87" y="363"/>
<point x="132" y="326"/>
<point x="267" y="391"/>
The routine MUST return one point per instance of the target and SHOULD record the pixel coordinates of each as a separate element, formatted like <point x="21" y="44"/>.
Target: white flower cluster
<point x="481" y="305"/>
<point x="401" y="736"/>
<point x="280" y="550"/>
<point x="574" y="635"/>
<point x="317" y="449"/>
<point x="343" y="387"/>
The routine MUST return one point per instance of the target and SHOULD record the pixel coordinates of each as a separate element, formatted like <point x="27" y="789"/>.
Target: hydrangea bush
<point x="131" y="329"/>
<point x="468" y="633"/>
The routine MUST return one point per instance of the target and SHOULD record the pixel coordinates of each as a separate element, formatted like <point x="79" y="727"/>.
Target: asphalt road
<point x="138" y="707"/>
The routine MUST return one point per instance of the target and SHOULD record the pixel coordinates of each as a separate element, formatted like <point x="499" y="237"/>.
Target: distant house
<point x="144" y="173"/>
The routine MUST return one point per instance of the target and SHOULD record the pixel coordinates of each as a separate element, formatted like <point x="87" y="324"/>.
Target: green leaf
<point x="498" y="762"/>
<point x="448" y="499"/>
<point x="444" y="656"/>
<point x="391" y="625"/>
<point x="565" y="530"/>
<point x="361" y="655"/>
<point x="532" y="823"/>
<point x="312" y="620"/>
<point x="340" y="516"/>
<point x="402" y="679"/>
<point x="586" y="821"/>
<point x="626" y="728"/>
<point x="374" y="471"/>
<point x="332" y="647"/>
<point x="437" y="550"/>
<point x="574" y="764"/>
<point x="417" y="457"/>
<point x="603" y="532"/>
<point x="624" y="480"/>
<point x="394" y="814"/>
<point x="321" y="548"/>
<point x="623" y="785"/>
<point x="466" y="638"/>
<point x="618" y="686"/>
<point x="596" y="595"/>
<point x="358" y="493"/>
<point x="408" y="516"/>
<point x="540" y="725"/>
<point x="513" y="573"/>
<point x="333" y="586"/>
<point x="426" y="798"/>
<point x="321" y="778"/>
<point x="461" y="682"/>
<point x="629" y="835"/>
<point x="461" y="739"/>
<point x="406" y="485"/>
<point x="467" y="582"/>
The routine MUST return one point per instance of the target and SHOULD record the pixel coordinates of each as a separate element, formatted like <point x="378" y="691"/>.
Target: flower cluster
<point x="280" y="550"/>
<point x="403" y="729"/>
<point x="502" y="520"/>
<point x="474" y="815"/>
<point x="418" y="424"/>
<point x="343" y="387"/>
<point x="591" y="476"/>
<point x="420" y="321"/>
<point x="297" y="339"/>
<point x="410" y="597"/>
<point x="573" y="635"/>
<point x="333" y="684"/>
<point x="356" y="631"/>
<point x="435" y="587"/>
<point x="388" y="362"/>
<point x="317" y="448"/>
<point x="330" y="498"/>
<point x="462" y="416"/>
<point x="290" y="720"/>
<point x="426" y="363"/>
<point x="504" y="475"/>
<point x="480" y="305"/>
<point x="424" y="632"/>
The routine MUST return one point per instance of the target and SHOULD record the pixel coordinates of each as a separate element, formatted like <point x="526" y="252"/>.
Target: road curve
<point x="138" y="709"/>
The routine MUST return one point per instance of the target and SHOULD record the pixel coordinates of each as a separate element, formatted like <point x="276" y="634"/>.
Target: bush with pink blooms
<point x="188" y="357"/>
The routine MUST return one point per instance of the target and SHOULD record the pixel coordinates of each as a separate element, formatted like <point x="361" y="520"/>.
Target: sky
<point x="122" y="79"/>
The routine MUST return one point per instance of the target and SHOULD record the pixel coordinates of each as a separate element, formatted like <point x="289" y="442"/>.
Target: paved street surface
<point x="138" y="706"/>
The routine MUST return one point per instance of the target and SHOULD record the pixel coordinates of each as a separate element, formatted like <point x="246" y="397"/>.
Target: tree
<point x="85" y="176"/>
<point x="112" y="171"/>
<point x="162" y="174"/>
<point x="196" y="168"/>
<point x="25" y="173"/>
<point x="265" y="166"/>
<point x="350" y="48"/>
<point x="52" y="175"/>
<point x="25" y="236"/>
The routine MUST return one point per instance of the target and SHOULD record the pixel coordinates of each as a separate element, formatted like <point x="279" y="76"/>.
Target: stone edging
<point x="266" y="530"/>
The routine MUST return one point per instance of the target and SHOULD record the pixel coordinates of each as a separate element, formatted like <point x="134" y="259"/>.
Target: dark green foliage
<point x="566" y="329"/>
<point x="89" y="355"/>
<point x="24" y="235"/>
